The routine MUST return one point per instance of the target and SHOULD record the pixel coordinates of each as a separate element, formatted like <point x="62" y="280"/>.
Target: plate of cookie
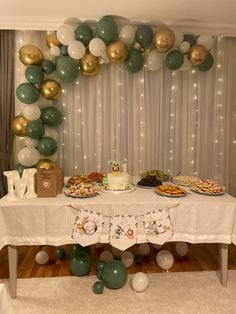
<point x="81" y="190"/>
<point x="208" y="187"/>
<point x="77" y="179"/>
<point x="170" y="190"/>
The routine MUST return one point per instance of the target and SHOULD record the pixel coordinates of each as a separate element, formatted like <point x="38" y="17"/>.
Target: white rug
<point x="188" y="292"/>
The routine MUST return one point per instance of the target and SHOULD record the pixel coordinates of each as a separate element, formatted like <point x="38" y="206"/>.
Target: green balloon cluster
<point x="144" y="35"/>
<point x="174" y="60"/>
<point x="27" y="93"/>
<point x="84" y="33"/>
<point x="134" y="63"/>
<point x="114" y="274"/>
<point x="35" y="129"/>
<point x="51" y="116"/>
<point x="34" y="74"/>
<point x="67" y="69"/>
<point x="107" y="29"/>
<point x="80" y="264"/>
<point x="47" y="146"/>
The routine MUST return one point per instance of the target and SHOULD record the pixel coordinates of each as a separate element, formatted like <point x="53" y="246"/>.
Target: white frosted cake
<point x="118" y="181"/>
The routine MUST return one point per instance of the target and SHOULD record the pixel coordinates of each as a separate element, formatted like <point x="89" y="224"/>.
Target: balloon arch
<point x="82" y="50"/>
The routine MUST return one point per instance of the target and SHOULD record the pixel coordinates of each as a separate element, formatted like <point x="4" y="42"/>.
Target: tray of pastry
<point x="170" y="190"/>
<point x="208" y="187"/>
<point x="81" y="190"/>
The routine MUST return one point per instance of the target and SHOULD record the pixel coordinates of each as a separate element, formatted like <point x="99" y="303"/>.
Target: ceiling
<point x="216" y="17"/>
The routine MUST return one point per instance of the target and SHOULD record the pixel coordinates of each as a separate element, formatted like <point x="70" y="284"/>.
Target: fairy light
<point x="172" y="121"/>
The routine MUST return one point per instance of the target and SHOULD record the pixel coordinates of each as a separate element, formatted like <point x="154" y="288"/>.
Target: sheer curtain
<point x="178" y="122"/>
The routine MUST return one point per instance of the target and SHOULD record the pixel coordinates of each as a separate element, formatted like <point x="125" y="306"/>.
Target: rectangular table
<point x="49" y="221"/>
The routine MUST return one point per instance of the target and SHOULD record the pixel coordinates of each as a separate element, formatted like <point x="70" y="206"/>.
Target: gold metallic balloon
<point x="18" y="126"/>
<point x="117" y="52"/>
<point x="50" y="89"/>
<point x="30" y="54"/>
<point x="164" y="39"/>
<point x="89" y="64"/>
<point x="52" y="40"/>
<point x="45" y="164"/>
<point x="197" y="54"/>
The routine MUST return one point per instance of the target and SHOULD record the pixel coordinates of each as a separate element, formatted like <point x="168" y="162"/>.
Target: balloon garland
<point x="83" y="51"/>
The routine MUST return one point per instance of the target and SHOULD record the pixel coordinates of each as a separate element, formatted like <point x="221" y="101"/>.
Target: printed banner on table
<point x="87" y="227"/>
<point x="157" y="225"/>
<point x="123" y="231"/>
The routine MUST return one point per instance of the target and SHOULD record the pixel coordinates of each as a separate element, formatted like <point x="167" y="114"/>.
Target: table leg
<point x="13" y="263"/>
<point x="223" y="250"/>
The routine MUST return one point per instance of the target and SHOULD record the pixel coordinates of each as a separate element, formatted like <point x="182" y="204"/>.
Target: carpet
<point x="185" y="293"/>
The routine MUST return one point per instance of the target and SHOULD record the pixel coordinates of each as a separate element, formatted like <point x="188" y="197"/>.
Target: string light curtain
<point x="178" y="122"/>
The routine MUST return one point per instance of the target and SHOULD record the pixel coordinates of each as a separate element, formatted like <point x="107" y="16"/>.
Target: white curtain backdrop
<point x="178" y="122"/>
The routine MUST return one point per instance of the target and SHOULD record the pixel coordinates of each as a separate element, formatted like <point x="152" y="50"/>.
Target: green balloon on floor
<point x="81" y="264"/>
<point x="76" y="248"/>
<point x="98" y="287"/>
<point x="114" y="274"/>
<point x="60" y="253"/>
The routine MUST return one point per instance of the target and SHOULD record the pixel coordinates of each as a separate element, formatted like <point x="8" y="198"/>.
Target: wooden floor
<point x="200" y="257"/>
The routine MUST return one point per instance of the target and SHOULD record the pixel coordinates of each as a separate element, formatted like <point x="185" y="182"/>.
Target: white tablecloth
<point x="49" y="221"/>
<point x="5" y="307"/>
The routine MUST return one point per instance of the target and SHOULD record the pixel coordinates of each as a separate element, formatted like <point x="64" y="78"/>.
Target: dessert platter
<point x="184" y="180"/>
<point x="170" y="190"/>
<point x="208" y="187"/>
<point x="81" y="190"/>
<point x="76" y="179"/>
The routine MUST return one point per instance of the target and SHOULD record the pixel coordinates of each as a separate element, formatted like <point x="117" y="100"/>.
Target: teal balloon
<point x="207" y="64"/>
<point x="27" y="93"/>
<point x="100" y="265"/>
<point x="60" y="253"/>
<point x="35" y="129"/>
<point x="20" y="168"/>
<point x="191" y="39"/>
<point x="67" y="69"/>
<point x="64" y="50"/>
<point x="84" y="33"/>
<point x="34" y="74"/>
<point x="48" y="66"/>
<point x="174" y="59"/>
<point x="76" y="248"/>
<point x="134" y="63"/>
<point x="81" y="264"/>
<point x="51" y="116"/>
<point x="98" y="287"/>
<point x="107" y="29"/>
<point x="138" y="258"/>
<point x="144" y="35"/>
<point x="47" y="146"/>
<point x="114" y="274"/>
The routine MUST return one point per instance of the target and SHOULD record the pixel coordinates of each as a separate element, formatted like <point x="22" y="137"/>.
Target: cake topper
<point x="117" y="164"/>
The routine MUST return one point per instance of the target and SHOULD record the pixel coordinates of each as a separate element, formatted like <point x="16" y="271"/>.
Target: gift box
<point x="49" y="182"/>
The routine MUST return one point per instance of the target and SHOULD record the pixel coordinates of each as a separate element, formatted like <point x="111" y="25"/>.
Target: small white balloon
<point x="127" y="258"/>
<point x="144" y="249"/>
<point x="156" y="246"/>
<point x="42" y="257"/>
<point x="28" y="156"/>
<point x="31" y="142"/>
<point x="65" y="34"/>
<point x="51" y="132"/>
<point x="187" y="65"/>
<point x="55" y="51"/>
<point x="48" y="56"/>
<point x="106" y="256"/>
<point x="127" y="34"/>
<point x="31" y="112"/>
<point x="164" y="259"/>
<point x="181" y="248"/>
<point x="116" y="252"/>
<point x="97" y="47"/>
<point x="206" y="40"/>
<point x="154" y="60"/>
<point x="76" y="50"/>
<point x="179" y="36"/>
<point x="104" y="58"/>
<point x="184" y="47"/>
<point x="139" y="282"/>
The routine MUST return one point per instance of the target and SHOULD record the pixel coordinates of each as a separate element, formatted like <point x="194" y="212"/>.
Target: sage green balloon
<point x="107" y="29"/>
<point x="207" y="64"/>
<point x="48" y="66"/>
<point x="81" y="264"/>
<point x="134" y="62"/>
<point x="20" y="168"/>
<point x="27" y="93"/>
<point x="67" y="69"/>
<point x="47" y="146"/>
<point x="35" y="129"/>
<point x="84" y="33"/>
<point x="174" y="60"/>
<point x="191" y="39"/>
<point x="143" y="35"/>
<point x="51" y="116"/>
<point x="76" y="248"/>
<point x="98" y="287"/>
<point x="114" y="274"/>
<point x="34" y="74"/>
<point x="64" y="50"/>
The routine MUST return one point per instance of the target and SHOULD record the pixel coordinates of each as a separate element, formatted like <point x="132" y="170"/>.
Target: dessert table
<point x="194" y="218"/>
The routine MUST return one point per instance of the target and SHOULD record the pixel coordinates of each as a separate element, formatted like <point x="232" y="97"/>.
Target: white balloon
<point x="164" y="259"/>
<point x="187" y="65"/>
<point x="154" y="60"/>
<point x="156" y="246"/>
<point x="48" y="56"/>
<point x="31" y="112"/>
<point x="127" y="258"/>
<point x="97" y="47"/>
<point x="28" y="156"/>
<point x="116" y="252"/>
<point x="206" y="40"/>
<point x="184" y="47"/>
<point x="179" y="37"/>
<point x="104" y="58"/>
<point x="144" y="249"/>
<point x="55" y="51"/>
<point x="42" y="257"/>
<point x="106" y="256"/>
<point x="65" y="34"/>
<point x="181" y="248"/>
<point x="73" y="22"/>
<point x="127" y="34"/>
<point x="139" y="282"/>
<point x="51" y="132"/>
<point x="76" y="50"/>
<point x="30" y="142"/>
